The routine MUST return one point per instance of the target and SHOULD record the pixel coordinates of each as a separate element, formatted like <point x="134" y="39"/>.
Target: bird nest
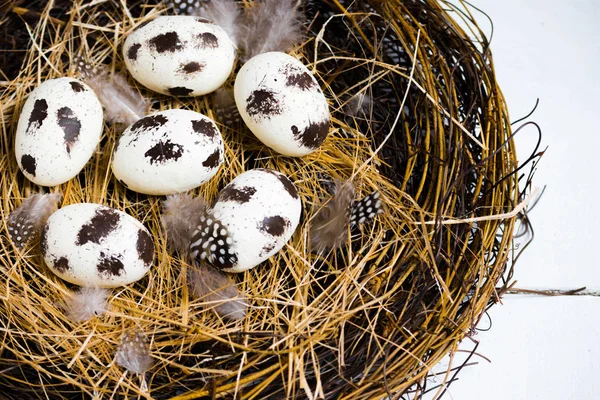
<point x="416" y="114"/>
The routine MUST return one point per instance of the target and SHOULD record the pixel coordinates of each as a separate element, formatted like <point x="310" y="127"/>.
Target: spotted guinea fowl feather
<point x="211" y="242"/>
<point x="193" y="230"/>
<point x="185" y="7"/>
<point x="366" y="209"/>
<point x="26" y="222"/>
<point x="133" y="352"/>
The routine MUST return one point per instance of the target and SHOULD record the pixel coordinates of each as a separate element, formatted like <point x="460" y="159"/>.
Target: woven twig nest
<point x="417" y="115"/>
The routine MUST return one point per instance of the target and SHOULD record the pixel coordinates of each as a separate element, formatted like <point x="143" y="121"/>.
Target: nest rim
<point x="274" y="361"/>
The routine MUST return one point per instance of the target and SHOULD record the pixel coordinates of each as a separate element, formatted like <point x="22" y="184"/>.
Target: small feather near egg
<point x="168" y="152"/>
<point x="253" y="218"/>
<point x="96" y="246"/>
<point x="180" y="55"/>
<point x="282" y="104"/>
<point x="58" y="131"/>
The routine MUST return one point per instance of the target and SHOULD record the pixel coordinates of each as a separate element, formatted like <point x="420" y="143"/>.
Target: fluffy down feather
<point x="224" y="13"/>
<point x="133" y="352"/>
<point x="271" y="25"/>
<point x="86" y="304"/>
<point x="217" y="291"/>
<point x="26" y="222"/>
<point x="181" y="217"/>
<point x="358" y="105"/>
<point x="123" y="105"/>
<point x="329" y="227"/>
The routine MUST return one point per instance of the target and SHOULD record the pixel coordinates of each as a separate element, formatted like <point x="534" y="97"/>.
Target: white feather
<point x="86" y="304"/>
<point x="122" y="103"/>
<point x="271" y="25"/>
<point x="224" y="13"/>
<point x="217" y="291"/>
<point x="358" y="104"/>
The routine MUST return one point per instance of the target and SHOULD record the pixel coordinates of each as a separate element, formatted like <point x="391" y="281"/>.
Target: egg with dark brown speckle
<point x="94" y="245"/>
<point x="282" y="104"/>
<point x="254" y="216"/>
<point x="179" y="55"/>
<point x="59" y="129"/>
<point x="168" y="152"/>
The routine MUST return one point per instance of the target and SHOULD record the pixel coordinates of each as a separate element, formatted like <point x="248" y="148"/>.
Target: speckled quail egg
<point x="58" y="131"/>
<point x="168" y="152"/>
<point x="179" y="55"/>
<point x="93" y="245"/>
<point x="252" y="219"/>
<point x="282" y="104"/>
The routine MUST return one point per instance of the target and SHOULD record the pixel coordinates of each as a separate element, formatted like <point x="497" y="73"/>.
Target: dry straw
<point x="429" y="130"/>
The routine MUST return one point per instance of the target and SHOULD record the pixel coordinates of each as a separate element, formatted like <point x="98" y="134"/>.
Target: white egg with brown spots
<point x="58" y="131"/>
<point x="168" y="152"/>
<point x="282" y="104"/>
<point x="94" y="245"/>
<point x="179" y="55"/>
<point x="253" y="218"/>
